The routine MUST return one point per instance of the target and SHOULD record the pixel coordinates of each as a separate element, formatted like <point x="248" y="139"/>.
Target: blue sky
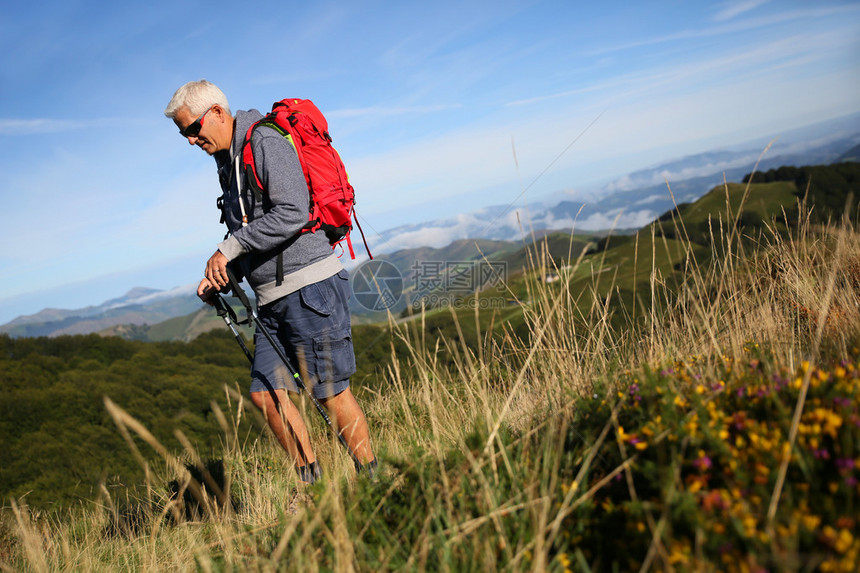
<point x="437" y="108"/>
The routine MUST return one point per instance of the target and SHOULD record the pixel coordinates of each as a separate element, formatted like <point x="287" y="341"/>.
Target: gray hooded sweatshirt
<point x="275" y="220"/>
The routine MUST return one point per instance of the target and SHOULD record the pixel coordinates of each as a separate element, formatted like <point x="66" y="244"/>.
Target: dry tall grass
<point x="796" y="294"/>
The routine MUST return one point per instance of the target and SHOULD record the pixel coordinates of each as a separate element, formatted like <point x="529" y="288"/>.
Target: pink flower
<point x="702" y="463"/>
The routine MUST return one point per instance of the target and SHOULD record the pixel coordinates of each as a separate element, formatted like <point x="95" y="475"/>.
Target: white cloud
<point x="40" y="126"/>
<point x="761" y="22"/>
<point x="615" y="220"/>
<point x="729" y="10"/>
<point x="649" y="199"/>
<point x="436" y="236"/>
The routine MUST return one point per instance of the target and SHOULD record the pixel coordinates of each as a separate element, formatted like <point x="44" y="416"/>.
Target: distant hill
<point x="436" y="265"/>
<point x="852" y="154"/>
<point x="139" y="306"/>
<point x="186" y="327"/>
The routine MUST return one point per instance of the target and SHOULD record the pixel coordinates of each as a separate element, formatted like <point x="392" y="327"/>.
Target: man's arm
<point x="284" y="186"/>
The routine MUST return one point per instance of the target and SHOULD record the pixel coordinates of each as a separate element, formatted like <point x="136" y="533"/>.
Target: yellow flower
<point x="749" y="525"/>
<point x="695" y="486"/>
<point x="569" y="488"/>
<point x="678" y="555"/>
<point x="811" y="522"/>
<point x="832" y="423"/>
<point x="844" y="541"/>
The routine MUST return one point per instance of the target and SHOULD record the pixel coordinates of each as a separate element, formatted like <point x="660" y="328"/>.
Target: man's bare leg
<point x="288" y="426"/>
<point x="351" y="423"/>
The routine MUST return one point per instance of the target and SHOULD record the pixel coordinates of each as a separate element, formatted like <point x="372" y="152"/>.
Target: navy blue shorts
<point x="312" y="326"/>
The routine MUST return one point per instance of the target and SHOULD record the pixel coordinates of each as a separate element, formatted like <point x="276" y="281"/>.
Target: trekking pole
<point x="226" y="312"/>
<point x="252" y="314"/>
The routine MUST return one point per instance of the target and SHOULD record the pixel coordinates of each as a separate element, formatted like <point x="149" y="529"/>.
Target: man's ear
<point x="219" y="111"/>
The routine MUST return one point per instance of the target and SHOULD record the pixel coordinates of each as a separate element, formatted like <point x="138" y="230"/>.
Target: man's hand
<point x="206" y="291"/>
<point x="216" y="271"/>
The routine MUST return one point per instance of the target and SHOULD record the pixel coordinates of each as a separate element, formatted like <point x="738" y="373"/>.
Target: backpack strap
<point x="240" y="187"/>
<point x="349" y="242"/>
<point x="250" y="167"/>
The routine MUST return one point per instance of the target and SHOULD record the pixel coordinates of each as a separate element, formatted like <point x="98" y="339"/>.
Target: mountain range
<point x="623" y="205"/>
<point x="139" y="306"/>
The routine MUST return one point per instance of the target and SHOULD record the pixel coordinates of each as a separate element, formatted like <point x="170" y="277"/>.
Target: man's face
<point x="211" y="131"/>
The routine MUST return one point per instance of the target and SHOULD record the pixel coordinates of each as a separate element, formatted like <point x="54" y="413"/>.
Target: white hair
<point x="197" y="97"/>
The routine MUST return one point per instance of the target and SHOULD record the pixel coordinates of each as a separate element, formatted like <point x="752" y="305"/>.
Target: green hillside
<point x="187" y="327"/>
<point x="826" y="190"/>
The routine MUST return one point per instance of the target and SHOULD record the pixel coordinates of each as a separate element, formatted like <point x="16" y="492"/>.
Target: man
<point x="305" y="309"/>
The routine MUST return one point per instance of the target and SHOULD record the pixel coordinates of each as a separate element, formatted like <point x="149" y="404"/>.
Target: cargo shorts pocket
<point x="334" y="356"/>
<point x="318" y="297"/>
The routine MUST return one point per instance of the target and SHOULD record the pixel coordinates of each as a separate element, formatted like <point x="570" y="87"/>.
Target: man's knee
<point x="265" y="401"/>
<point x="345" y="396"/>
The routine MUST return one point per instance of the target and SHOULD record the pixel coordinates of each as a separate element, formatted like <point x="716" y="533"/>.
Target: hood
<point x="244" y="120"/>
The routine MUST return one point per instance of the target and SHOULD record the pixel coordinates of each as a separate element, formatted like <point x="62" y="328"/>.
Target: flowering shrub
<point x="707" y="446"/>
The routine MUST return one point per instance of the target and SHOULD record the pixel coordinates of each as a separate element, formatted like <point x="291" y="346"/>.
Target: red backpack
<point x="332" y="198"/>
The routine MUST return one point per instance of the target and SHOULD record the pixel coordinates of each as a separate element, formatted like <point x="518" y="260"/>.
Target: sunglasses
<point x="193" y="129"/>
